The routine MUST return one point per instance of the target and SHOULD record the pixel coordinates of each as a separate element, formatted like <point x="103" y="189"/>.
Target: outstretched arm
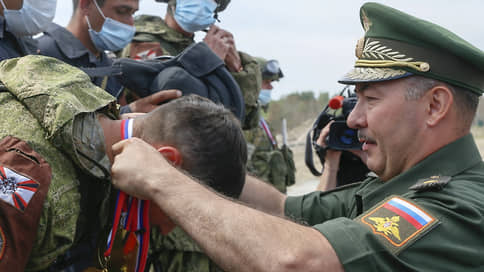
<point x="236" y="237"/>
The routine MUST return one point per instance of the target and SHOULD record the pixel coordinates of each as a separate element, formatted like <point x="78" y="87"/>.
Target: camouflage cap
<point x="221" y="4"/>
<point x="148" y="27"/>
<point x="270" y="69"/>
<point x="398" y="45"/>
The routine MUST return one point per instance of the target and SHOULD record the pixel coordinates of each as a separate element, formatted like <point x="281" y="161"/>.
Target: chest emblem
<point x="16" y="189"/>
<point x="397" y="222"/>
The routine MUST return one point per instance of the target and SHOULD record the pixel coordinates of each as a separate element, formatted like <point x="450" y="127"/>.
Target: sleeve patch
<point x="397" y="222"/>
<point x="15" y="189"/>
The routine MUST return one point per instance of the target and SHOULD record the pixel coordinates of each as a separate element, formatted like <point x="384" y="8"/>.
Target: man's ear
<point x="439" y="103"/>
<point x="172" y="154"/>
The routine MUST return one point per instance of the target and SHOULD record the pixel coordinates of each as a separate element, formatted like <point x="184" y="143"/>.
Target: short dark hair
<point x="466" y="101"/>
<point x="75" y="3"/>
<point x="208" y="136"/>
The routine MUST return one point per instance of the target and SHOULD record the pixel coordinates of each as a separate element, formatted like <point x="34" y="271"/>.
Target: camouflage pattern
<point x="270" y="163"/>
<point x="177" y="252"/>
<point x="40" y="101"/>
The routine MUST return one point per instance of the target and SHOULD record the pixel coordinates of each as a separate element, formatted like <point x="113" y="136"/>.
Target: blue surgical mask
<point x="113" y="36"/>
<point x="265" y="97"/>
<point x="32" y="18"/>
<point x="195" y="15"/>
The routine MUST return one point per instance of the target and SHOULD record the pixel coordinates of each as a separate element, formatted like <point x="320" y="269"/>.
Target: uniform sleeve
<point x="317" y="207"/>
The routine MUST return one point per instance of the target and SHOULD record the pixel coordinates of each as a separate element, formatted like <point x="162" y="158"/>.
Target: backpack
<point x="196" y="70"/>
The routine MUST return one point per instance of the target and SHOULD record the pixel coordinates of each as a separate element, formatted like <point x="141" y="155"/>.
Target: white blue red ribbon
<point x="265" y="127"/>
<point x="135" y="214"/>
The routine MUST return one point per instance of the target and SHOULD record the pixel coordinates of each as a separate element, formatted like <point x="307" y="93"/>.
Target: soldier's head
<point x="271" y="71"/>
<point x="202" y="138"/>
<point x="27" y="17"/>
<point x="418" y="86"/>
<point x="194" y="15"/>
<point x="108" y="22"/>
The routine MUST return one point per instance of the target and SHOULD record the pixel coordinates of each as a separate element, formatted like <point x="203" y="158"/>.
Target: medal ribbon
<point x="135" y="215"/>
<point x="265" y="126"/>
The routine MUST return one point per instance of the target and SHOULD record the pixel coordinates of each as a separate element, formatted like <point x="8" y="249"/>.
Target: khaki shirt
<point x="438" y="226"/>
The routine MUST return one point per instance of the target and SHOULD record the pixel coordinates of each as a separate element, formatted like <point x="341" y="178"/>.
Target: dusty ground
<point x="305" y="181"/>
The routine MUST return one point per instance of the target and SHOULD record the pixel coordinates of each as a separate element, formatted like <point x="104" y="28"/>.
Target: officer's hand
<point x="138" y="168"/>
<point x="149" y="103"/>
<point x="218" y="40"/>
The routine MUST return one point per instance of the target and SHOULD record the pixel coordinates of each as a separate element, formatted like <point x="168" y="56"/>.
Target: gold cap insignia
<point x="360" y="45"/>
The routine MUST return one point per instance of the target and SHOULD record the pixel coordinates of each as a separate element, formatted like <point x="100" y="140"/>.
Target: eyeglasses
<point x="272" y="69"/>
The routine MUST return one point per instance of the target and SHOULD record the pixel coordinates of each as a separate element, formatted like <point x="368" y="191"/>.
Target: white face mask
<point x="32" y="18"/>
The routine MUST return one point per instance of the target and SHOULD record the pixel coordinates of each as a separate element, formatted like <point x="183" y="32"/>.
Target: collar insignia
<point x="433" y="183"/>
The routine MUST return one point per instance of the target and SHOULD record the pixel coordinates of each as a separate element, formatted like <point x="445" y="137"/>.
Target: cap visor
<point x="365" y="74"/>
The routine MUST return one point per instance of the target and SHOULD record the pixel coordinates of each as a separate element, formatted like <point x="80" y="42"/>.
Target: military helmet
<point x="221" y="4"/>
<point x="270" y="69"/>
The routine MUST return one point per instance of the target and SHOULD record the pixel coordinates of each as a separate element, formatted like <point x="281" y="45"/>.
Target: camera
<point x="340" y="137"/>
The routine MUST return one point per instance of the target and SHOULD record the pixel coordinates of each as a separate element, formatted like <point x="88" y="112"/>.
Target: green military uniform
<point x="431" y="216"/>
<point x="452" y="203"/>
<point x="268" y="161"/>
<point x="46" y="106"/>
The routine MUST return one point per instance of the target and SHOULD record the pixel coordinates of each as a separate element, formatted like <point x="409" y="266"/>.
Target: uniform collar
<point x="69" y="44"/>
<point x="450" y="160"/>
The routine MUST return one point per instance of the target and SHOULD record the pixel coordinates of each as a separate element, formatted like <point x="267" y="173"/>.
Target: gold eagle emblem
<point x="388" y="226"/>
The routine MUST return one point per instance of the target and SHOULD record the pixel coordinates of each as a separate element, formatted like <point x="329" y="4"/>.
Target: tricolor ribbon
<point x="135" y="215"/>
<point x="265" y="126"/>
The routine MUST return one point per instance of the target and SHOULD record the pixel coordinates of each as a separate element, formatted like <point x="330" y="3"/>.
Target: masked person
<point x="96" y="27"/>
<point x="56" y="201"/>
<point x="20" y="20"/>
<point x="418" y="88"/>
<point x="169" y="36"/>
<point x="267" y="160"/>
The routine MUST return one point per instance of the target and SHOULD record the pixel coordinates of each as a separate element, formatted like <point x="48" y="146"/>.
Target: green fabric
<point x="250" y="82"/>
<point x="269" y="163"/>
<point x="151" y="28"/>
<point x="177" y="252"/>
<point x="44" y="96"/>
<point x="406" y="43"/>
<point x="453" y="245"/>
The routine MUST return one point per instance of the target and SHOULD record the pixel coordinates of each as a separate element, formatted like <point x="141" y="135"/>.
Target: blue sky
<point x="314" y="40"/>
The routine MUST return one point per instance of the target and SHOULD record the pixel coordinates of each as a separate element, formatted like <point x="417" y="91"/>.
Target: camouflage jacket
<point x="154" y="29"/>
<point x="268" y="161"/>
<point x="177" y="252"/>
<point x="45" y="107"/>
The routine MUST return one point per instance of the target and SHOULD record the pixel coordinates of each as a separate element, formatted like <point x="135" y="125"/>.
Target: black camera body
<point x="341" y="137"/>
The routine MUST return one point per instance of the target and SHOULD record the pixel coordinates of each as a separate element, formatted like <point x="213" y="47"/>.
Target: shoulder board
<point x="433" y="183"/>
